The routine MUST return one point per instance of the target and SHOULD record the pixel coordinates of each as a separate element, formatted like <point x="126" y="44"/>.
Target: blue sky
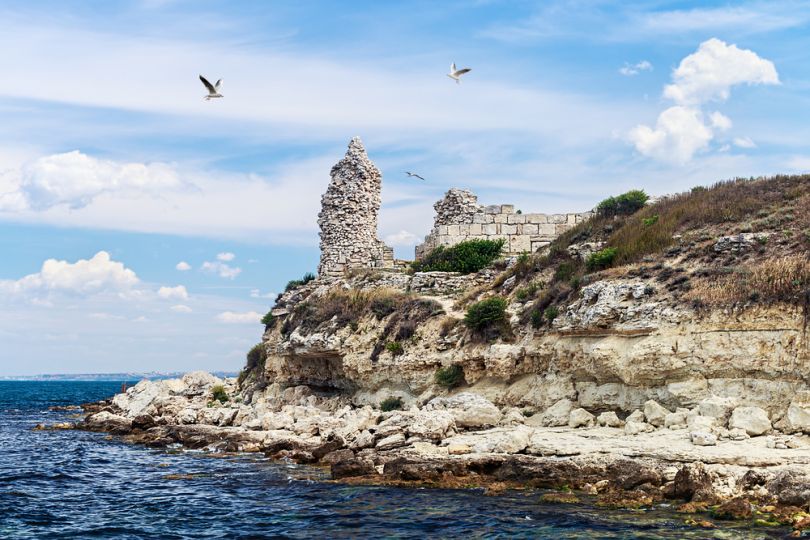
<point x="114" y="169"/>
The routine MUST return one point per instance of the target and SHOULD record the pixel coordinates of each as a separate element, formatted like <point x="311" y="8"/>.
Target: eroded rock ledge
<point x="465" y="440"/>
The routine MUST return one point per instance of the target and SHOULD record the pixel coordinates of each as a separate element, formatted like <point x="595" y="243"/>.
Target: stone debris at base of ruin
<point x="348" y="216"/>
<point x="459" y="217"/>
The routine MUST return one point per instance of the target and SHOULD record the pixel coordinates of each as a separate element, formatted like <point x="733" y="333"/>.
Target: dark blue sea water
<point x="71" y="484"/>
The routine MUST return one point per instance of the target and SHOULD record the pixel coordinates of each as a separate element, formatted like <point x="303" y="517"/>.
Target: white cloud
<point x="231" y="317"/>
<point x="225" y="257"/>
<point x="183" y="266"/>
<point x="74" y="180"/>
<point x="705" y="75"/>
<point x="710" y="72"/>
<point x="720" y="121"/>
<point x="628" y="70"/>
<point x="746" y="19"/>
<point x="744" y="142"/>
<point x="678" y="134"/>
<point x="180" y="308"/>
<point x="257" y="293"/>
<point x="221" y="269"/>
<point x="84" y="277"/>
<point x="402" y="238"/>
<point x="178" y="293"/>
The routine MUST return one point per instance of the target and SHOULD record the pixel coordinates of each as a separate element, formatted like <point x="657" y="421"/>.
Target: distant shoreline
<point x="103" y="377"/>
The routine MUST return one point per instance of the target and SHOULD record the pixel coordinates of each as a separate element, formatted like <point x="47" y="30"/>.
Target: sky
<point x="143" y="228"/>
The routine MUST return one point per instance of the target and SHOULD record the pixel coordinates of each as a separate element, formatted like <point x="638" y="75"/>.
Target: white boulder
<point x="753" y="420"/>
<point x="609" y="419"/>
<point x="655" y="413"/>
<point x="468" y="410"/>
<point x="580" y="418"/>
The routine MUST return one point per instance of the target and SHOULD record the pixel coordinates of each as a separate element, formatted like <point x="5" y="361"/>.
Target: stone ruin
<point x="459" y="217"/>
<point x="348" y="216"/>
<point x="349" y="209"/>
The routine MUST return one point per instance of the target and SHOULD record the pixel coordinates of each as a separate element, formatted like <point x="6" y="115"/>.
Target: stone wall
<point x="459" y="217"/>
<point x="348" y="216"/>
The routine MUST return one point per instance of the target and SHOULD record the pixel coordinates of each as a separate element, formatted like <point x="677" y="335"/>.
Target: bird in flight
<point x="213" y="89"/>
<point x="413" y="175"/>
<point x="456" y="74"/>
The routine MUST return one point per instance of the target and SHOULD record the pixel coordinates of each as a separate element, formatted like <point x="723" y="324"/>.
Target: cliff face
<point x="662" y="327"/>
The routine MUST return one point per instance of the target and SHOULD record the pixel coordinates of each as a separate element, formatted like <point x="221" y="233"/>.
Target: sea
<point x="74" y="484"/>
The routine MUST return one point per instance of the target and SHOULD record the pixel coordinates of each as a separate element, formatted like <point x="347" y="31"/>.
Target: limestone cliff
<point x="652" y="327"/>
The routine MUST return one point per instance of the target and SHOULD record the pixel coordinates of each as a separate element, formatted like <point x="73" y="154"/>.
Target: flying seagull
<point x="412" y="175"/>
<point x="456" y="74"/>
<point x="213" y="89"/>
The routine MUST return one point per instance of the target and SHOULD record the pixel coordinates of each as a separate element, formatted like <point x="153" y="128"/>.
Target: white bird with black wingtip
<point x="213" y="89"/>
<point x="456" y="74"/>
<point x="413" y="175"/>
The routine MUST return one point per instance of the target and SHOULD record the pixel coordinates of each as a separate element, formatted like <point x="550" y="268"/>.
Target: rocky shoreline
<point x="689" y="458"/>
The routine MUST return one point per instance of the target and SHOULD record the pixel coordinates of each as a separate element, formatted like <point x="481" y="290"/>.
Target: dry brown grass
<point x="783" y="279"/>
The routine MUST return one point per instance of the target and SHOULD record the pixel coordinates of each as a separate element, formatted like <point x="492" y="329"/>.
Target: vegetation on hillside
<point x="672" y="242"/>
<point x="465" y="257"/>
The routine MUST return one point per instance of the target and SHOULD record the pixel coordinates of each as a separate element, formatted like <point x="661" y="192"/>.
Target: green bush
<point x="601" y="259"/>
<point x="486" y="314"/>
<point x="268" y="319"/>
<point x="394" y="347"/>
<point x="449" y="377"/>
<point x="218" y="393"/>
<point x="551" y="313"/>
<point x="537" y="318"/>
<point x="624" y="204"/>
<point x="465" y="257"/>
<point x="527" y="292"/>
<point x="293" y="283"/>
<point x="383" y="306"/>
<point x="391" y="404"/>
<point x="256" y="359"/>
<point x="649" y="221"/>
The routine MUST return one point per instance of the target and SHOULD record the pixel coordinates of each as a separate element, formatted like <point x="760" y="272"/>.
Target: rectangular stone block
<point x="490" y="218"/>
<point x="561" y="228"/>
<point x="507" y="209"/>
<point x="571" y="219"/>
<point x="475" y="229"/>
<point x="519" y="243"/>
<point x="500" y="218"/>
<point x="493" y="209"/>
<point x="536" y="218"/>
<point x="529" y="228"/>
<point x="464" y="229"/>
<point x="490" y="229"/>
<point x="479" y="218"/>
<point x="516" y="218"/>
<point x="508" y="229"/>
<point x="546" y="229"/>
<point x="452" y="230"/>
<point x="557" y="218"/>
<point x="441" y="230"/>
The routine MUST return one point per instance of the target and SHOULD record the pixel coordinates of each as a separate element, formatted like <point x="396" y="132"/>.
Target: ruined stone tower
<point x="348" y="216"/>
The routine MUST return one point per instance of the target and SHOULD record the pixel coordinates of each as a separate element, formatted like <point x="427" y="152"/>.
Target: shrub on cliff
<point x="218" y="393"/>
<point x="395" y="348"/>
<point x="268" y="320"/>
<point x="487" y="317"/>
<point x="293" y="283"/>
<point x="449" y="377"/>
<point x="391" y="404"/>
<point x="624" y="204"/>
<point x="256" y="359"/>
<point x="601" y="259"/>
<point x="465" y="257"/>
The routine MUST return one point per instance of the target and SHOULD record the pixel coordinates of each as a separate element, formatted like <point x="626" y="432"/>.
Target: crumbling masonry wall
<point x="459" y="217"/>
<point x="348" y="216"/>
